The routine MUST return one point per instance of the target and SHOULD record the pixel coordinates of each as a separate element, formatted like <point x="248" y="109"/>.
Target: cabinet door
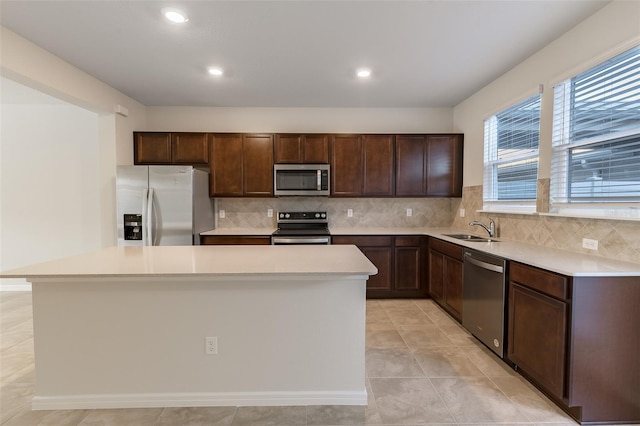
<point x="379" y="250"/>
<point x="538" y="336"/>
<point x="444" y="165"/>
<point x="297" y="149"/>
<point x="258" y="165"/>
<point x="189" y="148"/>
<point x="407" y="268"/>
<point x="288" y="149"/>
<point x="378" y="165"/>
<point x="226" y="165"/>
<point x="152" y="147"/>
<point x="436" y="275"/>
<point x="315" y="149"/>
<point x="346" y="165"/>
<point x="382" y="258"/>
<point x="410" y="165"/>
<point x="453" y="286"/>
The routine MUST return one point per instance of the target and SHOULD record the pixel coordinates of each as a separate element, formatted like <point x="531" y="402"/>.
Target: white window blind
<point x="596" y="135"/>
<point x="511" y="140"/>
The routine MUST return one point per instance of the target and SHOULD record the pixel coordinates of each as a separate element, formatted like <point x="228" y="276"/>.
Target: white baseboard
<point x="217" y="399"/>
<point x="15" y="287"/>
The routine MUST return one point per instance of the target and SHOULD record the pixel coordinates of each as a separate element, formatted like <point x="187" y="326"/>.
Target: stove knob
<point x="324" y="215"/>
<point x="287" y="215"/>
<point x="281" y="216"/>
<point x="317" y="215"/>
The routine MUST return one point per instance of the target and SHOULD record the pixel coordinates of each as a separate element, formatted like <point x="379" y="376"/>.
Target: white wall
<point x="607" y="32"/>
<point x="53" y="142"/>
<point x="310" y="120"/>
<point x="32" y="66"/>
<point x="49" y="172"/>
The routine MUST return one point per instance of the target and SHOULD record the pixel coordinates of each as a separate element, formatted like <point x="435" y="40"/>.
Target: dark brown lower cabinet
<point x="575" y="338"/>
<point x="400" y="262"/>
<point x="445" y="276"/>
<point x="538" y="336"/>
<point x="408" y="262"/>
<point x="226" y="240"/>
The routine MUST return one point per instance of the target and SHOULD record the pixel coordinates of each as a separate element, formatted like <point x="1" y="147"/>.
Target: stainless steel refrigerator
<point x="162" y="205"/>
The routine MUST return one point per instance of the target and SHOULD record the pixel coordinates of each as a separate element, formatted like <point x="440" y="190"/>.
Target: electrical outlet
<point x="590" y="244"/>
<point x="409" y="212"/>
<point x="211" y="345"/>
<point x="349" y="212"/>
<point x="269" y="212"/>
<point x="462" y="212"/>
<point x="221" y="213"/>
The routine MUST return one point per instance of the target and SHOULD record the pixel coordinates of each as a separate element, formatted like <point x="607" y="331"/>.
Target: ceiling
<point x="296" y="53"/>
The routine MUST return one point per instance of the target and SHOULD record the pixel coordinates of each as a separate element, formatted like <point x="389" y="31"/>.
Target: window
<point x="596" y="136"/>
<point x="511" y="139"/>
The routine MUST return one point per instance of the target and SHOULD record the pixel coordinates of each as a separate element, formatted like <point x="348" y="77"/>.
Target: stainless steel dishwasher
<point x="483" y="298"/>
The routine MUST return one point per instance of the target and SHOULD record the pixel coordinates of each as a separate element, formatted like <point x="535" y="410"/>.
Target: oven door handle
<point x="310" y="240"/>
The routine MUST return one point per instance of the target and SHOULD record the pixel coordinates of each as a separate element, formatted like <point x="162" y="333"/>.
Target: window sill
<point x="518" y="212"/>
<point x="586" y="215"/>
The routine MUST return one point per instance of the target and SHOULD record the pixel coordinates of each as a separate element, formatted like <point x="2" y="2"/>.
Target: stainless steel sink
<point x="471" y="238"/>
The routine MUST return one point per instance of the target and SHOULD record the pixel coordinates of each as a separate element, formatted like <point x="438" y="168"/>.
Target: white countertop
<point x="561" y="261"/>
<point x="204" y="261"/>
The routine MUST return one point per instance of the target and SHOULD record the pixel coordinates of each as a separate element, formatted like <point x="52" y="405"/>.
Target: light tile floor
<point x="422" y="368"/>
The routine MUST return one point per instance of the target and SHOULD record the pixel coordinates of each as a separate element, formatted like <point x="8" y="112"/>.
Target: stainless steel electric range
<point x="302" y="228"/>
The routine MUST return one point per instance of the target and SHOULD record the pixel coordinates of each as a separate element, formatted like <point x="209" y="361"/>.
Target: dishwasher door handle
<point x="484" y="265"/>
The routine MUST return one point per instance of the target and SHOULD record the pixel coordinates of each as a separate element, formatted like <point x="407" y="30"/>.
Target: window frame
<point x="491" y="162"/>
<point x="561" y="202"/>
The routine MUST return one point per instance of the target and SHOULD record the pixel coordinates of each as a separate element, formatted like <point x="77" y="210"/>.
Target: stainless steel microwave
<point x="306" y="180"/>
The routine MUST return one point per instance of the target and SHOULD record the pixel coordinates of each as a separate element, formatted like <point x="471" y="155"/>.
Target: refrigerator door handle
<point x="150" y="221"/>
<point x="145" y="217"/>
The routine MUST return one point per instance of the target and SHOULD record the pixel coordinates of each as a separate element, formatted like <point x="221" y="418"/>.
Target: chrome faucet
<point x="491" y="229"/>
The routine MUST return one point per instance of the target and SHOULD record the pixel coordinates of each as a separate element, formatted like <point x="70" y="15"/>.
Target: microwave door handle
<point x="319" y="181"/>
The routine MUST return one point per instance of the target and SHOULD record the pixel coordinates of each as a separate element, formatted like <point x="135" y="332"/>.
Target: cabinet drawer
<point x="407" y="241"/>
<point x="451" y="250"/>
<point x="544" y="281"/>
<point x="363" y="241"/>
<point x="224" y="240"/>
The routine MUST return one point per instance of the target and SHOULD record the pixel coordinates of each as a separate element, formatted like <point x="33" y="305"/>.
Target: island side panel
<point x="105" y="343"/>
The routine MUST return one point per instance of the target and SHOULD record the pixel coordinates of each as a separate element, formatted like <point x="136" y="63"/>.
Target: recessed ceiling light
<point x="215" y="71"/>
<point x="363" y="73"/>
<point x="174" y="15"/>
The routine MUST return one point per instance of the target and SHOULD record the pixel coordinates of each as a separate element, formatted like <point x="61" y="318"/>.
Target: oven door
<point x="300" y="239"/>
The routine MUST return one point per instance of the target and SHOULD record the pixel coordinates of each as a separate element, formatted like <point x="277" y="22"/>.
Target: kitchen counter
<point x="560" y="261"/>
<point x="556" y="260"/>
<point x="203" y="261"/>
<point x="125" y="327"/>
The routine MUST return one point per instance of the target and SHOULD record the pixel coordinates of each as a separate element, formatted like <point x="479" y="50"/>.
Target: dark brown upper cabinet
<point x="300" y="149"/>
<point x="241" y="165"/>
<point x="362" y="165"/>
<point x="429" y="165"/>
<point x="189" y="148"/>
<point x="170" y="148"/>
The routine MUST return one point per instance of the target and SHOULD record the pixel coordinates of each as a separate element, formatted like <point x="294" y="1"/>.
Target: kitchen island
<point x="128" y="327"/>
